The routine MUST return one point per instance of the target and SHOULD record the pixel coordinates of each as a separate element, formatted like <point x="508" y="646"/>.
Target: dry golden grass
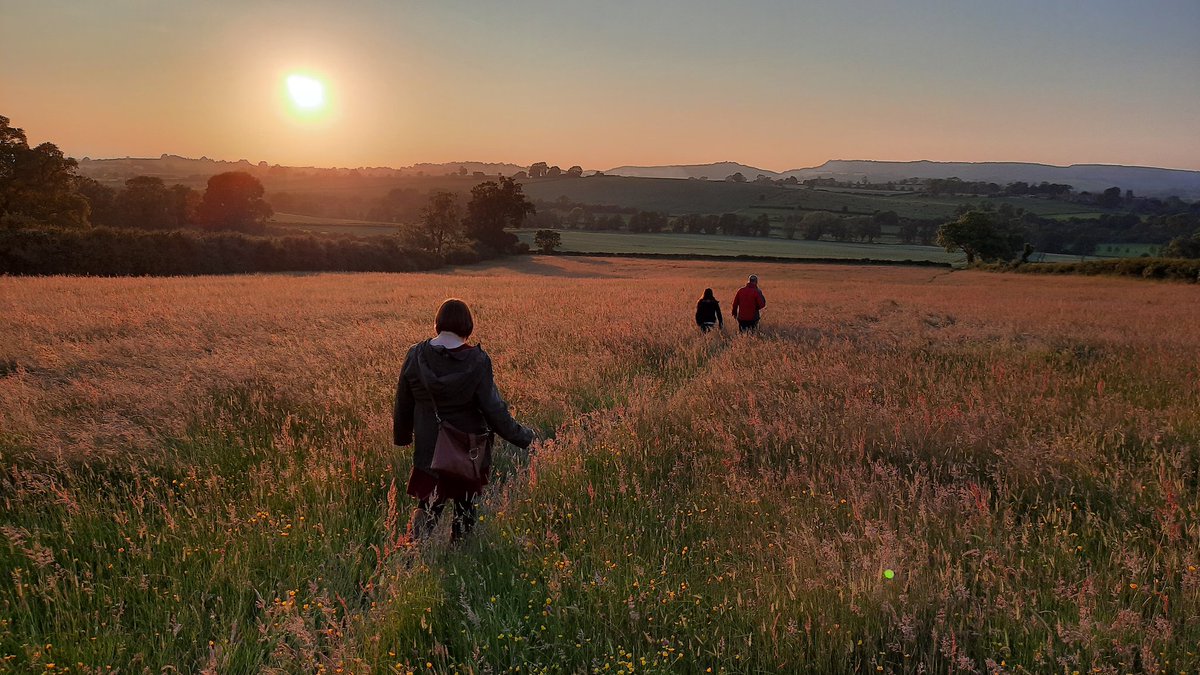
<point x="198" y="474"/>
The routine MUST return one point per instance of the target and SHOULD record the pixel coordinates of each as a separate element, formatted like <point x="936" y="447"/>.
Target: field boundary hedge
<point x="121" y="252"/>
<point x="1170" y="269"/>
<point x="761" y="258"/>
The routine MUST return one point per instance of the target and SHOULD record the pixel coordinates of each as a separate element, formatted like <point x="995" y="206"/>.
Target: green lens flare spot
<point x="888" y="574"/>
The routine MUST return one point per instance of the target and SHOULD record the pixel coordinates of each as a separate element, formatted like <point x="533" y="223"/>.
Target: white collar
<point x="448" y="340"/>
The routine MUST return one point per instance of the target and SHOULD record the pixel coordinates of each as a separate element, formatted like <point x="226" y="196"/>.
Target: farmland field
<point x="715" y="196"/>
<point x="703" y="244"/>
<point x="906" y="470"/>
<point x="301" y="224"/>
<point x="575" y="241"/>
<point x="678" y="197"/>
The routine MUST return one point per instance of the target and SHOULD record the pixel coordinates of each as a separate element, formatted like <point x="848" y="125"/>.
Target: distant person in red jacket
<point x="747" y="304"/>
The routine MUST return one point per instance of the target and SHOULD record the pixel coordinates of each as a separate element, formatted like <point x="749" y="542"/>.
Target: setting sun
<point x="307" y="93"/>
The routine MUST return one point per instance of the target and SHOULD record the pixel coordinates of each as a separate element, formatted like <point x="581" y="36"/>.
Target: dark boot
<point x="424" y="519"/>
<point x="464" y="519"/>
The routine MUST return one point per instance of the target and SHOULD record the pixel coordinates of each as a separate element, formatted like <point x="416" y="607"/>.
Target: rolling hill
<point x="1143" y="180"/>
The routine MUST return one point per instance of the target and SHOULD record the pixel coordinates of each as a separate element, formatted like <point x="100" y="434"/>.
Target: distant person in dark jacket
<point x="708" y="312"/>
<point x="747" y="305"/>
<point x="460" y="377"/>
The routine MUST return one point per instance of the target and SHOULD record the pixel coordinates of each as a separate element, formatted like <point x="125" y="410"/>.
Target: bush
<point x="1172" y="269"/>
<point x="115" y="252"/>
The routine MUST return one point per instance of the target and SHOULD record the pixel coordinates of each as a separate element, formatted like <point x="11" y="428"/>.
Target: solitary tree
<point x="838" y="228"/>
<point x="867" y="229"/>
<point x="1110" y="198"/>
<point x="101" y="200"/>
<point x="977" y="236"/>
<point x="817" y="223"/>
<point x="547" y="240"/>
<point x="234" y="201"/>
<point x="1183" y="247"/>
<point x="494" y="206"/>
<point x="440" y="223"/>
<point x="729" y="224"/>
<point x="574" y="172"/>
<point x="145" y="203"/>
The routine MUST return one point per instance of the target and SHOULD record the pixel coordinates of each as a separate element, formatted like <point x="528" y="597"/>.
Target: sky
<point x="775" y="84"/>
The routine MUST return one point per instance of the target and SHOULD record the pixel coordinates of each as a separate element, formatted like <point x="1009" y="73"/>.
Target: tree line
<point x="54" y="221"/>
<point x="493" y="208"/>
<point x="40" y="186"/>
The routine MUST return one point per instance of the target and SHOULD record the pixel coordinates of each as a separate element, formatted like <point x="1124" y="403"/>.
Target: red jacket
<point x="747" y="302"/>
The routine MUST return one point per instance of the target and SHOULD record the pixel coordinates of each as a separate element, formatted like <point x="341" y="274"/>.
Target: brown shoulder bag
<point x="459" y="454"/>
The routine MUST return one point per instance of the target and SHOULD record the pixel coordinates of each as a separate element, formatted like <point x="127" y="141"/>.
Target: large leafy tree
<point x="495" y="206"/>
<point x="234" y="201"/>
<point x="978" y="235"/>
<point x="440" y="224"/>
<point x="101" y="201"/>
<point x="38" y="184"/>
<point x="144" y="203"/>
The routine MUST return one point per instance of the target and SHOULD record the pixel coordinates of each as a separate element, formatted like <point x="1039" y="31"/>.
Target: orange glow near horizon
<point x="776" y="86"/>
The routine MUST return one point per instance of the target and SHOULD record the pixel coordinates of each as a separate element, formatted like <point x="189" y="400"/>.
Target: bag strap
<point x="425" y="383"/>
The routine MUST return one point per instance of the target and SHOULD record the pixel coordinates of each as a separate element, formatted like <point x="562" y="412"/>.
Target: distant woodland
<point x="53" y="207"/>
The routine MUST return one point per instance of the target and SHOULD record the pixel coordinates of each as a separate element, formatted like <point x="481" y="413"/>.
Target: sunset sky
<point x="778" y="85"/>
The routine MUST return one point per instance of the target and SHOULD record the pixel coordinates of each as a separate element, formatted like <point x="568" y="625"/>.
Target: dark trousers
<point x="705" y="327"/>
<point x="427" y="516"/>
<point x="747" y="326"/>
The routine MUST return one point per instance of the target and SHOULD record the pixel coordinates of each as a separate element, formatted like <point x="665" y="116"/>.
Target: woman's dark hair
<point x="708" y="294"/>
<point x="454" y="316"/>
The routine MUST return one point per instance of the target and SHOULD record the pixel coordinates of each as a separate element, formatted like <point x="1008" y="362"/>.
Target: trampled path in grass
<point x="200" y="470"/>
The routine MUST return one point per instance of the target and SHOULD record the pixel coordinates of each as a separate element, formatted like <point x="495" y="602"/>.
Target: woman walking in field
<point x="446" y="380"/>
<point x="708" y="312"/>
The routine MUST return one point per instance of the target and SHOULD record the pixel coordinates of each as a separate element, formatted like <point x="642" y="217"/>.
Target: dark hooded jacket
<point x="466" y="396"/>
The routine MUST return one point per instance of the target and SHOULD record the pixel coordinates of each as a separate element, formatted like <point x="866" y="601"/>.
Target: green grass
<point x="574" y="241"/>
<point x="700" y="244"/>
<point x="715" y="196"/>
<point x="198" y="475"/>
<point x="301" y="224"/>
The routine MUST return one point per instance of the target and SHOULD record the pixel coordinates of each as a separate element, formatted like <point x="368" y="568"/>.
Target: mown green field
<point x="700" y="244"/>
<point x="293" y="222"/>
<point x="574" y="241"/>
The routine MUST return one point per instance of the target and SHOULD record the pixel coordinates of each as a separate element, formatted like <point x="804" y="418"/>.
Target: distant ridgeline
<point x="1148" y="181"/>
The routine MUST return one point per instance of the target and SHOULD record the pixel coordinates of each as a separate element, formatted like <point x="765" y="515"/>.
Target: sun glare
<point x="307" y="93"/>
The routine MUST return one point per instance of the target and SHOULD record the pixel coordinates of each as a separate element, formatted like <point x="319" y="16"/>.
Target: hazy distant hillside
<point x="715" y="171"/>
<point x="1146" y="181"/>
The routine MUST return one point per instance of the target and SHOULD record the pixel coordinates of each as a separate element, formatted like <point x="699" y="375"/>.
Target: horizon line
<point x="638" y="166"/>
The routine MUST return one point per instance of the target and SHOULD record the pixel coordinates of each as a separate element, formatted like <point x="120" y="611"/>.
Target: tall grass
<point x="198" y="475"/>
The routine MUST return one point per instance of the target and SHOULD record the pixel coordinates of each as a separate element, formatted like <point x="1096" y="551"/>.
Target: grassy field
<point x="703" y="244"/>
<point x="715" y="196"/>
<point x="294" y="222"/>
<point x="575" y="241"/>
<point x="907" y="470"/>
<point x="682" y="196"/>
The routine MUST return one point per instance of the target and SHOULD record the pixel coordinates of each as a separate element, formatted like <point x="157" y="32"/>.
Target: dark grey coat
<point x="466" y="395"/>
